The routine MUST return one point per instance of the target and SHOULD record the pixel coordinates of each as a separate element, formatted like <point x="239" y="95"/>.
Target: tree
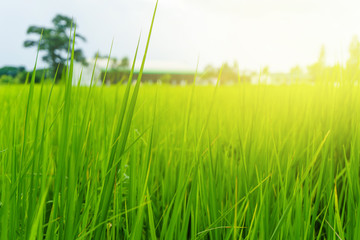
<point x="265" y="71"/>
<point x="55" y="42"/>
<point x="165" y="78"/>
<point x="229" y="74"/>
<point x="125" y="63"/>
<point x="114" y="62"/>
<point x="210" y="72"/>
<point x="316" y="70"/>
<point x="11" y="71"/>
<point x="296" y="73"/>
<point x="322" y="57"/>
<point x="353" y="63"/>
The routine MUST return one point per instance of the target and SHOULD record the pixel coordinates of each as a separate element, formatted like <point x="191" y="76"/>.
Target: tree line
<point x="55" y="43"/>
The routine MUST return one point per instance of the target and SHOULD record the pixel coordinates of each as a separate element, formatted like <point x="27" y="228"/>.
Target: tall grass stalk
<point x="194" y="162"/>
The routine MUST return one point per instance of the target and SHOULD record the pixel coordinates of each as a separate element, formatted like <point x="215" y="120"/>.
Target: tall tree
<point x="316" y="70"/>
<point x="353" y="63"/>
<point x="55" y="42"/>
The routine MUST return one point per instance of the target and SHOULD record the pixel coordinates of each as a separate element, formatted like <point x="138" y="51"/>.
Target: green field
<point x="194" y="162"/>
<point x="168" y="162"/>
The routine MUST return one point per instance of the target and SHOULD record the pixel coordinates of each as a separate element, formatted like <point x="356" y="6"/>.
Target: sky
<point x="255" y="33"/>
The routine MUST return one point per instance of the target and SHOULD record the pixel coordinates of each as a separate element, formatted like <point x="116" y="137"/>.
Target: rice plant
<point x="193" y="162"/>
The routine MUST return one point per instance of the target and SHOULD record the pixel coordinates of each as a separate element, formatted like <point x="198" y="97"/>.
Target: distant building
<point x="158" y="72"/>
<point x="170" y="73"/>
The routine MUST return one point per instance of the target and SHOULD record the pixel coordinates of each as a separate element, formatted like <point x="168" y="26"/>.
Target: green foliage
<point x="316" y="70"/>
<point x="242" y="162"/>
<point x="12" y="75"/>
<point x="230" y="74"/>
<point x="249" y="161"/>
<point x="39" y="74"/>
<point x="114" y="76"/>
<point x="116" y="71"/>
<point x="19" y="75"/>
<point x="210" y="72"/>
<point x="55" y="43"/>
<point x="124" y="64"/>
<point x="353" y="63"/>
<point x="166" y="78"/>
<point x="6" y="79"/>
<point x="11" y="71"/>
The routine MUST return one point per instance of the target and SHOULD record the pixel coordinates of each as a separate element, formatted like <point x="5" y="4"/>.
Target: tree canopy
<point x="55" y="42"/>
<point x="353" y="63"/>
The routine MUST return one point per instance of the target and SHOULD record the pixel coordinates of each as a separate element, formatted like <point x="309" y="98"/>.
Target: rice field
<point x="194" y="162"/>
<point x="168" y="162"/>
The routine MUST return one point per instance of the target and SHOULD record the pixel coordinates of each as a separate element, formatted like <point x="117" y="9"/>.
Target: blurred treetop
<point x="55" y="42"/>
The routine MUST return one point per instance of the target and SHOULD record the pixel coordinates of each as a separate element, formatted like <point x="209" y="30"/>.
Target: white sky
<point x="277" y="33"/>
